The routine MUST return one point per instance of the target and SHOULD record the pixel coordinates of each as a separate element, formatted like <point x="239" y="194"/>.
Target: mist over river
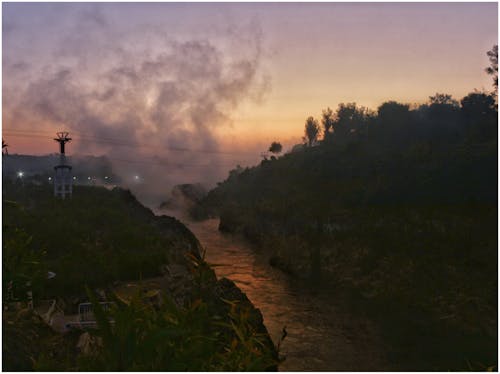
<point x="321" y="334"/>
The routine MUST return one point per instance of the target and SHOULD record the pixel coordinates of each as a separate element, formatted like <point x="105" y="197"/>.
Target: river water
<point x="321" y="334"/>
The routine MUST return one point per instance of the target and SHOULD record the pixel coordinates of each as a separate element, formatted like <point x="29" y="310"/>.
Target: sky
<point x="223" y="80"/>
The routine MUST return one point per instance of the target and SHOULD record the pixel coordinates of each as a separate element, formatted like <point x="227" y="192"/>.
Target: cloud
<point x="163" y="93"/>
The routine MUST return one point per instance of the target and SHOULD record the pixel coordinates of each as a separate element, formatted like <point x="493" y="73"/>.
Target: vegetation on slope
<point x="98" y="239"/>
<point x="399" y="206"/>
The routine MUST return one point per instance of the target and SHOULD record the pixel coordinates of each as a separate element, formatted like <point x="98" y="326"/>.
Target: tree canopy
<point x="349" y="118"/>
<point x="311" y="131"/>
<point x="493" y="68"/>
<point x="275" y="147"/>
<point x="328" y="121"/>
<point x="442" y="99"/>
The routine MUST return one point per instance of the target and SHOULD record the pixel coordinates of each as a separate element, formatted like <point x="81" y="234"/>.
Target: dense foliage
<point x="97" y="237"/>
<point x="399" y="206"/>
<point x="145" y="337"/>
<point x="139" y="335"/>
<point x="93" y="240"/>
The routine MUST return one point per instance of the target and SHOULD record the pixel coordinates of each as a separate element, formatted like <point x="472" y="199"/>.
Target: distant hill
<point x="95" y="167"/>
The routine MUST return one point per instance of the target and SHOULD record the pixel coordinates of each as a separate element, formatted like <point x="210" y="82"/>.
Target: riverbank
<point x="363" y="333"/>
<point x="322" y="332"/>
<point x="413" y="233"/>
<point x="94" y="243"/>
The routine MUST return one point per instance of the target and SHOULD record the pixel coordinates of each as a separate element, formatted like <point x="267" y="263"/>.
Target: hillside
<point x="39" y="168"/>
<point x="171" y="312"/>
<point x="401" y="213"/>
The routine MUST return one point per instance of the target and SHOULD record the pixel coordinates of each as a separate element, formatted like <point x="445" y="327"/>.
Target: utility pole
<point x="63" y="182"/>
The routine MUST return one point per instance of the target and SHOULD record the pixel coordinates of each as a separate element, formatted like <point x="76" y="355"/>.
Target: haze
<point x="202" y="87"/>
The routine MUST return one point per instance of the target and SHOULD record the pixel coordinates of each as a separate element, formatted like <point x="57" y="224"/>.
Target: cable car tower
<point x="63" y="181"/>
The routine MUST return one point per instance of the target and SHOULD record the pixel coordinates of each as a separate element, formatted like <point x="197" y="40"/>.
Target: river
<point x="321" y="334"/>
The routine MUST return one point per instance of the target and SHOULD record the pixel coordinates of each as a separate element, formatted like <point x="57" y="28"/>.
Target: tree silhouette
<point x="393" y="123"/>
<point x="393" y="115"/>
<point x="480" y="115"/>
<point x="275" y="147"/>
<point x="442" y="99"/>
<point x="311" y="131"/>
<point x="478" y="105"/>
<point x="349" y="118"/>
<point x="493" y="68"/>
<point x="442" y="120"/>
<point x="4" y="148"/>
<point x="327" y="120"/>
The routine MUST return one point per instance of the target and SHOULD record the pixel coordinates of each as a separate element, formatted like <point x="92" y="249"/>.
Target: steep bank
<point x="104" y="239"/>
<point x="310" y="316"/>
<point x="412" y="231"/>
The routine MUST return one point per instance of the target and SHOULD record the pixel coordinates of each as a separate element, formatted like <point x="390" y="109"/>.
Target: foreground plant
<point x="138" y="335"/>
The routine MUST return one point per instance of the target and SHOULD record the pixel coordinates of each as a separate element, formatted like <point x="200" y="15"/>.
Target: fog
<point x="154" y="103"/>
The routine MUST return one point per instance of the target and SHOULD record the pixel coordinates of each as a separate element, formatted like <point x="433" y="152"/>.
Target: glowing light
<point x="88" y="178"/>
<point x="74" y="178"/>
<point x="136" y="177"/>
<point x="20" y="174"/>
<point x="50" y="178"/>
<point x="106" y="177"/>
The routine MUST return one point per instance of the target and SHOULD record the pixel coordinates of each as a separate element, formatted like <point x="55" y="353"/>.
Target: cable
<point x="166" y="163"/>
<point x="151" y="162"/>
<point x="103" y="140"/>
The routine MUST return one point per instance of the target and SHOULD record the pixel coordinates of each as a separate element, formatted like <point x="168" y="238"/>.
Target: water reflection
<point x="320" y="336"/>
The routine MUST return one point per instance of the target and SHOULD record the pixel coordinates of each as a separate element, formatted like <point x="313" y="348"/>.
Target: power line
<point x="154" y="161"/>
<point x="121" y="143"/>
<point x="166" y="163"/>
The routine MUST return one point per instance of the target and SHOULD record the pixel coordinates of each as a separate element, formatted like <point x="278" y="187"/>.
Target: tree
<point x="275" y="147"/>
<point x="478" y="105"/>
<point x="442" y="99"/>
<point x="327" y="120"/>
<point x="493" y="68"/>
<point x="442" y="120"/>
<point x="393" y="111"/>
<point x="480" y="114"/>
<point x="349" y="118"/>
<point x="311" y="131"/>
<point x="394" y="123"/>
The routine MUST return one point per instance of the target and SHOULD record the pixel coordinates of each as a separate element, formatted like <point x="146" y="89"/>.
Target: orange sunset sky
<point x="229" y="76"/>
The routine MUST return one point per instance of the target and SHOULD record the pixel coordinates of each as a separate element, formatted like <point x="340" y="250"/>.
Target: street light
<point x="20" y="175"/>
